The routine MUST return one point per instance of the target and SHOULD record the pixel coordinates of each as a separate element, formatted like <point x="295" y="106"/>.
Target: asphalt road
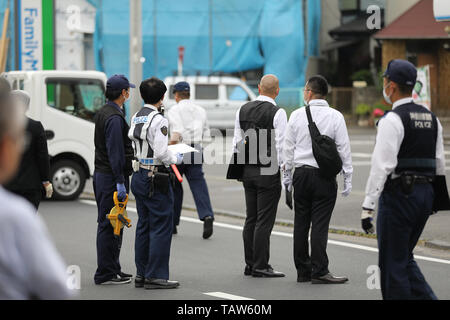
<point x="228" y="196"/>
<point x="213" y="269"/>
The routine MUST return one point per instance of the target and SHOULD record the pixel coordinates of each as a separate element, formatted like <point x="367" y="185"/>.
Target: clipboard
<point x="441" y="198"/>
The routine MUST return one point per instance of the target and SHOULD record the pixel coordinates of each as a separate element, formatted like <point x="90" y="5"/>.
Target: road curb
<point x="432" y="244"/>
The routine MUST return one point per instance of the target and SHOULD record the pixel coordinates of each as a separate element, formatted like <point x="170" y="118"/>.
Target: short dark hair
<point x="152" y="90"/>
<point x="112" y="94"/>
<point x="184" y="94"/>
<point x="405" y="89"/>
<point x="319" y="85"/>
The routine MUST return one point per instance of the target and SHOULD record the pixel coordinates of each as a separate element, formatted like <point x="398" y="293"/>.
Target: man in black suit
<point x="33" y="178"/>
<point x="259" y="132"/>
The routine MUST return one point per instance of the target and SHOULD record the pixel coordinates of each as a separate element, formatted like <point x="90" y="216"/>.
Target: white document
<point x="181" y="148"/>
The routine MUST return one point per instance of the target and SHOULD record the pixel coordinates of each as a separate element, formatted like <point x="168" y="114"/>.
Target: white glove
<point x="180" y="158"/>
<point x="48" y="190"/>
<point x="347" y="185"/>
<point x="287" y="180"/>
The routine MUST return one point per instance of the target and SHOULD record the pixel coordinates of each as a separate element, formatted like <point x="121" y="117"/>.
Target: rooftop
<point x="416" y="23"/>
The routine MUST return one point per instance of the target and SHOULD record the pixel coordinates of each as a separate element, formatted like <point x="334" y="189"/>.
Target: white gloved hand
<point x="48" y="190"/>
<point x="180" y="158"/>
<point x="347" y="185"/>
<point x="287" y="180"/>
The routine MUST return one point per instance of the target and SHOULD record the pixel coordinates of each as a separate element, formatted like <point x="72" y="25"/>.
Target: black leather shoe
<point x="302" y="279"/>
<point x="329" y="279"/>
<point x="208" y="227"/>
<point x="139" y="282"/>
<point x="151" y="284"/>
<point x="267" y="273"/>
<point x="125" y="275"/>
<point x="248" y="270"/>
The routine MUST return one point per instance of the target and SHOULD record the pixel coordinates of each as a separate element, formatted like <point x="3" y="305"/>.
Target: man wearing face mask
<point x="408" y="155"/>
<point x="314" y="194"/>
<point x="113" y="167"/>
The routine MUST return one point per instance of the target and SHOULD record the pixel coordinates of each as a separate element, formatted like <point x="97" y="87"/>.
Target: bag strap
<point x="308" y="113"/>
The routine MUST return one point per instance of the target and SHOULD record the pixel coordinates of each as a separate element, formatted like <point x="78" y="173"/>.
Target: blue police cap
<point x="182" y="87"/>
<point x="402" y="72"/>
<point x="119" y="82"/>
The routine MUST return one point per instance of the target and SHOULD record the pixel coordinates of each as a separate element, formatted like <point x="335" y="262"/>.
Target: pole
<point x="4" y="40"/>
<point x="136" y="74"/>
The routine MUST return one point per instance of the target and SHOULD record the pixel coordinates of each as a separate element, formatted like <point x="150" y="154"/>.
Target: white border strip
<point x="226" y="296"/>
<point x="286" y="235"/>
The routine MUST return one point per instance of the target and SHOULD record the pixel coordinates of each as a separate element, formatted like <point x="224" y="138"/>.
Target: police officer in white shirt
<point x="152" y="188"/>
<point x="188" y="124"/>
<point x="409" y="153"/>
<point x="259" y="133"/>
<point x="315" y="195"/>
<point x="30" y="266"/>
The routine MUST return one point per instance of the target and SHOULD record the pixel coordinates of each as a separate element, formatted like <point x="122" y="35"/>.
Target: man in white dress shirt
<point x="408" y="155"/>
<point x="259" y="134"/>
<point x="314" y="195"/>
<point x="30" y="266"/>
<point x="188" y="124"/>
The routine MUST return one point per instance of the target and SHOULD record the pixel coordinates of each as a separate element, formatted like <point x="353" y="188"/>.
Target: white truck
<point x="66" y="103"/>
<point x="220" y="96"/>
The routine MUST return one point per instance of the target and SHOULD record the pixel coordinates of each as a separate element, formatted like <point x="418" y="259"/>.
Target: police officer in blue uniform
<point x="408" y="155"/>
<point x="113" y="167"/>
<point x="152" y="186"/>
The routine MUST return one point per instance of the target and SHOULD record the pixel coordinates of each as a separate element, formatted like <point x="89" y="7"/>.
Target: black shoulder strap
<point x="308" y="113"/>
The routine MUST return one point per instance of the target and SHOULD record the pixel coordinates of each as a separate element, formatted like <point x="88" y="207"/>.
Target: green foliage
<point x="363" y="75"/>
<point x="382" y="106"/>
<point x="363" y="109"/>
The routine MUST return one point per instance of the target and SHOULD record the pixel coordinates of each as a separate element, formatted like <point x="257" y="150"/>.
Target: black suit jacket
<point x="35" y="164"/>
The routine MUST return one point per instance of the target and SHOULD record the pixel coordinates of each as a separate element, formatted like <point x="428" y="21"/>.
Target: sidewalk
<point x="338" y="230"/>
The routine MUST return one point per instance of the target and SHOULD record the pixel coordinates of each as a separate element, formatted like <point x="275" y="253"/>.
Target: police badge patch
<point x="164" y="130"/>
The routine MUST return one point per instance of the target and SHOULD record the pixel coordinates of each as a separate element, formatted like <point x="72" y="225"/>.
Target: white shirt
<point x="279" y="123"/>
<point x="190" y="121"/>
<point x="298" y="145"/>
<point x="384" y="159"/>
<point x="158" y="141"/>
<point x="30" y="266"/>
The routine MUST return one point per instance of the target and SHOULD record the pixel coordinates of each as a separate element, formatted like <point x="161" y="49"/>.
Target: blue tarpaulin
<point x="218" y="36"/>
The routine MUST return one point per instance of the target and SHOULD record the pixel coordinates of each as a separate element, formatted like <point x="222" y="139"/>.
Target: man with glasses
<point x="314" y="194"/>
<point x="30" y="266"/>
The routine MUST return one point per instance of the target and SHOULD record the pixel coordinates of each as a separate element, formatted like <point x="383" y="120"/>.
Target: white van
<point x="66" y="103"/>
<point x="220" y="96"/>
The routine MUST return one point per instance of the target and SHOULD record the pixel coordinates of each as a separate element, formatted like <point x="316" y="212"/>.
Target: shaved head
<point x="269" y="86"/>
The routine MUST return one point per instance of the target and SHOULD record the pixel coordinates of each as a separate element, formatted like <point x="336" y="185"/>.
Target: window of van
<point x="237" y="93"/>
<point x="77" y="97"/>
<point x="207" y="92"/>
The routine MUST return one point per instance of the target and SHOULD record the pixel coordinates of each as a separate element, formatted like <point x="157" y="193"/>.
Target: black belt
<point x="418" y="179"/>
<point x="308" y="167"/>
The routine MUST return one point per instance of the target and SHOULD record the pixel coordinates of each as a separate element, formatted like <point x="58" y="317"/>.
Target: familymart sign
<point x="35" y="32"/>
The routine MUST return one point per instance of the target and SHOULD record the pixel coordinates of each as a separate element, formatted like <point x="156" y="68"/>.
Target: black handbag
<point x="324" y="150"/>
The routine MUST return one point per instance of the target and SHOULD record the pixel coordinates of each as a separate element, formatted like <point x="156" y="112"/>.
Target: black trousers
<point x="262" y="194"/>
<point x="315" y="198"/>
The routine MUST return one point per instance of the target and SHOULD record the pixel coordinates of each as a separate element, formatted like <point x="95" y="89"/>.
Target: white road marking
<point x="226" y="296"/>
<point x="285" y="235"/>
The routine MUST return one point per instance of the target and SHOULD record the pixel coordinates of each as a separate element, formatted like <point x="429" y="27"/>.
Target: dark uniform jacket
<point x="35" y="165"/>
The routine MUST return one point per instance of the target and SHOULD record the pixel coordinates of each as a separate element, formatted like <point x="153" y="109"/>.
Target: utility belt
<point x="406" y="182"/>
<point x="160" y="178"/>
